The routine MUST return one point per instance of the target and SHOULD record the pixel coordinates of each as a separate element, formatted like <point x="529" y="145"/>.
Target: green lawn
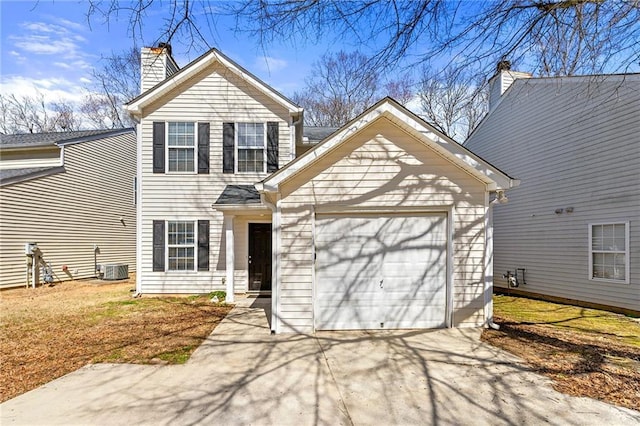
<point x="583" y="320"/>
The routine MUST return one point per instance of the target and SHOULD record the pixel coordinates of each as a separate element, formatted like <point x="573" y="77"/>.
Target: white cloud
<point x="52" y="89"/>
<point x="270" y="64"/>
<point x="70" y="24"/>
<point x="43" y="38"/>
<point x="62" y="65"/>
<point x="43" y="45"/>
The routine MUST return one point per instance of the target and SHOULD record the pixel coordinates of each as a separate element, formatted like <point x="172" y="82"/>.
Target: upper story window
<point x="251" y="146"/>
<point x="181" y="146"/>
<point x="609" y="252"/>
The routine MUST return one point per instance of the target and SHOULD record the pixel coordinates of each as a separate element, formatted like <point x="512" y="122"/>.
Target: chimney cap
<point x="164" y="45"/>
<point x="504" y="65"/>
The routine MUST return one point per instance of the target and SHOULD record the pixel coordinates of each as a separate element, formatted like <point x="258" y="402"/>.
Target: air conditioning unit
<point x="115" y="271"/>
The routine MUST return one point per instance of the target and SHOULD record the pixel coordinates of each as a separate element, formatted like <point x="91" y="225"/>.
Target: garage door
<point x="380" y="271"/>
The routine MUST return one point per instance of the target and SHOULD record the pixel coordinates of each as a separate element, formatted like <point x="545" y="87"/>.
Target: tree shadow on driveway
<point x="244" y="375"/>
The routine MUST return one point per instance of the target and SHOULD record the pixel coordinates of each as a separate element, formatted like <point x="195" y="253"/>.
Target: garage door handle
<point x="381" y="281"/>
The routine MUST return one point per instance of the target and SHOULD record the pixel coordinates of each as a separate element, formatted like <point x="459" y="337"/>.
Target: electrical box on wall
<point x="29" y="248"/>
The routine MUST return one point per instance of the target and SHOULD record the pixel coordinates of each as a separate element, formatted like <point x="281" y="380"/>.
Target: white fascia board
<point x="239" y="209"/>
<point x="451" y="150"/>
<point x="188" y="72"/>
<point x="494" y="178"/>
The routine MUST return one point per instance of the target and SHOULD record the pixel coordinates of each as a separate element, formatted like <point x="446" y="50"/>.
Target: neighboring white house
<point x="571" y="231"/>
<point x="384" y="224"/>
<point x="72" y="193"/>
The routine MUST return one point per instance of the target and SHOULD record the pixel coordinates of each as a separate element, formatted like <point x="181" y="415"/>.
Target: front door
<point x="259" y="257"/>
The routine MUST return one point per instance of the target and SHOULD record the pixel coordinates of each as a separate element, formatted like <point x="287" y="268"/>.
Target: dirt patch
<point x="51" y="331"/>
<point x="581" y="363"/>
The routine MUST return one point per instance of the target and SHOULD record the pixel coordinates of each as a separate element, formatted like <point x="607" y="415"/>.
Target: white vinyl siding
<point x="181" y="146"/>
<point x="251" y="148"/>
<point x="26" y="158"/>
<point x="181" y="246"/>
<point x="215" y="96"/>
<point x="573" y="142"/>
<point x="91" y="202"/>
<point x="382" y="168"/>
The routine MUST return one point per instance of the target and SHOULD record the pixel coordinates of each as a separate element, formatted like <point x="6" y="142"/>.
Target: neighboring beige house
<point x="73" y="194"/>
<point x="384" y="224"/>
<point x="571" y="231"/>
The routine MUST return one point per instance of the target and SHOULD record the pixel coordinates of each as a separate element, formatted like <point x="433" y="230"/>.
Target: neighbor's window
<point x="609" y="251"/>
<point x="181" y="145"/>
<point x="251" y="147"/>
<point x="181" y="245"/>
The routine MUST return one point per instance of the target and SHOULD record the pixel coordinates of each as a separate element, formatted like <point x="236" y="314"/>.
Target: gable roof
<point x="212" y="56"/>
<point x="239" y="194"/>
<point x="423" y="131"/>
<point x="315" y="134"/>
<point x="32" y="140"/>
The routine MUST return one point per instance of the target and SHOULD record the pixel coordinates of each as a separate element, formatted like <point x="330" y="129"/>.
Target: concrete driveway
<point x="243" y="375"/>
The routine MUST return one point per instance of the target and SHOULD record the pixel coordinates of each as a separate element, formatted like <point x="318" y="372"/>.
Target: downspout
<point x="501" y="198"/>
<point x="138" y="201"/>
<point x="61" y="155"/>
<point x="294" y="136"/>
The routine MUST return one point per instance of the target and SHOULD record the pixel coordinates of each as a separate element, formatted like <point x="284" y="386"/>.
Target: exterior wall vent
<point x="115" y="271"/>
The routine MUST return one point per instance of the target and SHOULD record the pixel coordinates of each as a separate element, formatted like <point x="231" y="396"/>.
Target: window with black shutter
<point x="203" y="245"/>
<point x="250" y="147"/>
<point x="158" y="245"/>
<point x="272" y="147"/>
<point x="158" y="146"/>
<point x="203" y="148"/>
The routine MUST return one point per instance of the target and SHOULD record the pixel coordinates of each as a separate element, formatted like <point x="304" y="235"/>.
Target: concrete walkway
<point x="243" y="375"/>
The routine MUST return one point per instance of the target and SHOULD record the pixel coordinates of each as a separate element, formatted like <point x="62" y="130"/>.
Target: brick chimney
<point x="157" y="65"/>
<point x="501" y="81"/>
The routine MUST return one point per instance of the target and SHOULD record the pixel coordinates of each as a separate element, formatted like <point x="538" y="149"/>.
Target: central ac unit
<point x="116" y="271"/>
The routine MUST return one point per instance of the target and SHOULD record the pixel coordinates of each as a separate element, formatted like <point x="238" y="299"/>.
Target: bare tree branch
<point x="115" y="83"/>
<point x="453" y="102"/>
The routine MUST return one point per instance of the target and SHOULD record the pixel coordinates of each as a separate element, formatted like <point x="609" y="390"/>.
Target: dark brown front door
<point x="259" y="257"/>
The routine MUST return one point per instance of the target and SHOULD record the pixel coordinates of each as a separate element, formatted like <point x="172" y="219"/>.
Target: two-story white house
<point x="71" y="195"/>
<point x="571" y="231"/>
<point x="386" y="223"/>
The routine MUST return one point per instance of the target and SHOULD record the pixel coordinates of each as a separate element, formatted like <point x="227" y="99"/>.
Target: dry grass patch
<point x="50" y="331"/>
<point x="586" y="352"/>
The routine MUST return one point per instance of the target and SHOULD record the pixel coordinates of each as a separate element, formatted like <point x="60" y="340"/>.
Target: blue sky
<point x="51" y="46"/>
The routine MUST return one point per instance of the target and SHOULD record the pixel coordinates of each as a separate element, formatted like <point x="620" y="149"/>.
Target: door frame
<point x="246" y="260"/>
<point x="448" y="210"/>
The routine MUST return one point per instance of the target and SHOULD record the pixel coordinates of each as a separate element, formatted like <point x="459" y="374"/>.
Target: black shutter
<point x="272" y="146"/>
<point x="158" y="245"/>
<point x="228" y="147"/>
<point x="203" y="245"/>
<point x="203" y="148"/>
<point x="158" y="147"/>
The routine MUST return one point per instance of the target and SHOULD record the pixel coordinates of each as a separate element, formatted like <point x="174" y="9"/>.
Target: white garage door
<point x="380" y="271"/>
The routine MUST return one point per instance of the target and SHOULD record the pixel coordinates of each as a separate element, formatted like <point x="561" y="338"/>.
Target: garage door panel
<point x="357" y="314"/>
<point x="377" y="271"/>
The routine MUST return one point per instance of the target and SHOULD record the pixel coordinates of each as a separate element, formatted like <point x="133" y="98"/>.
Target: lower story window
<point x="609" y="251"/>
<point x="181" y="245"/>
